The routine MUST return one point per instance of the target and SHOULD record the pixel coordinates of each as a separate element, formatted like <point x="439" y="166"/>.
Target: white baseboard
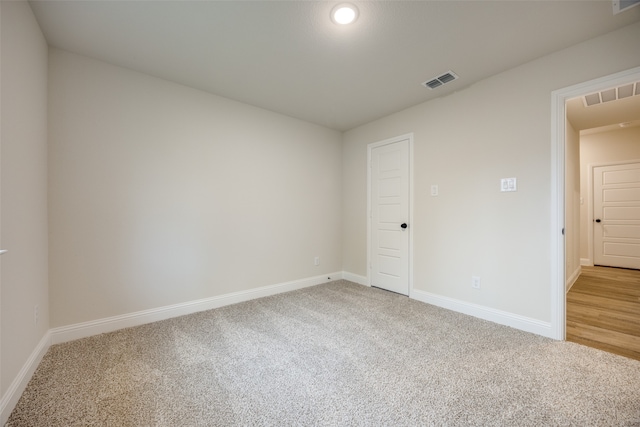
<point x="586" y="262"/>
<point x="523" y="323"/>
<point x="571" y="280"/>
<point x="110" y="324"/>
<point x="355" y="278"/>
<point x="15" y="390"/>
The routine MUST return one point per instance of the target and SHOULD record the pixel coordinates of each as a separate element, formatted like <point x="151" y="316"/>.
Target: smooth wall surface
<point x="465" y="143"/>
<point x="23" y="226"/>
<point x="161" y="194"/>
<point x="572" y="204"/>
<point x="608" y="147"/>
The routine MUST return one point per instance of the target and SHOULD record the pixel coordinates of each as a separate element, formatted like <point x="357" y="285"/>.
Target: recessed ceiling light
<point x="344" y="13"/>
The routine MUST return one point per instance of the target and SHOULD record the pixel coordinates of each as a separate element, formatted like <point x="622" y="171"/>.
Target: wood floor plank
<point x="606" y="347"/>
<point x="607" y="336"/>
<point x="603" y="310"/>
<point x="607" y="319"/>
<point x="605" y="302"/>
<point x="625" y="291"/>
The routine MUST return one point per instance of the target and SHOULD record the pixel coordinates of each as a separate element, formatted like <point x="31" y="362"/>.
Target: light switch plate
<point x="508" y="184"/>
<point x="434" y="190"/>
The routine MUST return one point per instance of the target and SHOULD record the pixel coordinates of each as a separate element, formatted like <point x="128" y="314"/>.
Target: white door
<point x="616" y="215"/>
<point x="389" y="216"/>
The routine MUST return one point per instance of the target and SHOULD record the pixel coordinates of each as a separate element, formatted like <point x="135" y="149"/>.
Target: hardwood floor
<point x="603" y="310"/>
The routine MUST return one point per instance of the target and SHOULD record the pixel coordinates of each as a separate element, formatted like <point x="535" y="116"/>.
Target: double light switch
<point x="508" y="184"/>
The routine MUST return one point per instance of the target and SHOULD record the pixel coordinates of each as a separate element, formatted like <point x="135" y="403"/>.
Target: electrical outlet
<point x="316" y="261"/>
<point x="475" y="282"/>
<point x="36" y="315"/>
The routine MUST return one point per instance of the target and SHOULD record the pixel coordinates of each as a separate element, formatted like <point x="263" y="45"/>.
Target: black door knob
<point x="598" y="220"/>
<point x="404" y="225"/>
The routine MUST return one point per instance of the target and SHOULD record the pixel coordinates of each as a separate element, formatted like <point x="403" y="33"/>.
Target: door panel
<point x="616" y="213"/>
<point x="622" y="195"/>
<point x="389" y="239"/>
<point x="625" y="176"/>
<point x="389" y="210"/>
<point x="622" y="250"/>
<point x="390" y="266"/>
<point x="619" y="213"/>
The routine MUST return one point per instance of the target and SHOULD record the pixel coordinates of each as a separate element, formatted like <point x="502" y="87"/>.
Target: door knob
<point x="598" y="220"/>
<point x="404" y="225"/>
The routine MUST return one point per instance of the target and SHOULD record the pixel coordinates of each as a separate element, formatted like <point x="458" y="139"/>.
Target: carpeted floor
<point x="334" y="354"/>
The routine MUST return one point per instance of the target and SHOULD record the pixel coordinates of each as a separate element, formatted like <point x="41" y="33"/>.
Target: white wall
<point x="465" y="143"/>
<point x="161" y="194"/>
<point x="572" y="205"/>
<point x="602" y="148"/>
<point x="23" y="190"/>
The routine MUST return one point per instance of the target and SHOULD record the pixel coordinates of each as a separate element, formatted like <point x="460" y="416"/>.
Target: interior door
<point x="616" y="215"/>
<point x="389" y="216"/>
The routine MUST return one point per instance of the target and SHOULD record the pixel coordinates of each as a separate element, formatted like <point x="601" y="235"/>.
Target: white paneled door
<point x="389" y="216"/>
<point x="616" y="215"/>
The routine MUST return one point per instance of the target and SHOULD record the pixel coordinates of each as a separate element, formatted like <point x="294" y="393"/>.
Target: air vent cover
<point x="621" y="92"/>
<point x="622" y="5"/>
<point x="436" y="82"/>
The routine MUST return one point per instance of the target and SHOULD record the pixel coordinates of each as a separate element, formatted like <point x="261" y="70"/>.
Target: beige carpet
<point x="334" y="354"/>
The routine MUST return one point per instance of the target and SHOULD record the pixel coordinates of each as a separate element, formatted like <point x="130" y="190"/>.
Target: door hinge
<point x="563" y="231"/>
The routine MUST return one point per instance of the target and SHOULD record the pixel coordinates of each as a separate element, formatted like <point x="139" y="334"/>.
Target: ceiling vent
<point x="621" y="92"/>
<point x="436" y="82"/>
<point x="622" y="5"/>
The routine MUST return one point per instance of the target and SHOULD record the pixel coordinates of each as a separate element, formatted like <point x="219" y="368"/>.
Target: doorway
<point x="559" y="228"/>
<point x="389" y="231"/>
<point x="602" y="307"/>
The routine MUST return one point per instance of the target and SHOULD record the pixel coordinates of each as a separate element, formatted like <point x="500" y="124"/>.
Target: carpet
<point x="337" y="354"/>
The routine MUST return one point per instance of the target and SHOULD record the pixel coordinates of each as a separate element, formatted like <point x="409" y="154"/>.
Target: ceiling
<point x="289" y="57"/>
<point x="604" y="116"/>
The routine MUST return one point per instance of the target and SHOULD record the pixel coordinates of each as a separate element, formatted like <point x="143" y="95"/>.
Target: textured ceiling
<point x="288" y="57"/>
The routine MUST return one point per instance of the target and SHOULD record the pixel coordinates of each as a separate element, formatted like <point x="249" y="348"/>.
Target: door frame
<point x="370" y="147"/>
<point x="558" y="144"/>
<point x="590" y="189"/>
